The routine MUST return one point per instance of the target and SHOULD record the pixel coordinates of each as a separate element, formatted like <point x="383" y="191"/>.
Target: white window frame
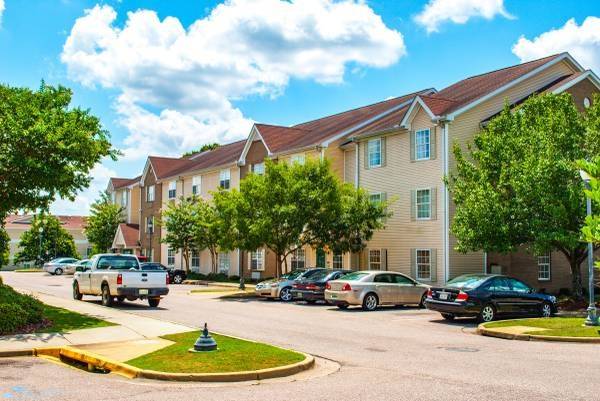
<point x="258" y="168"/>
<point x="298" y="260"/>
<point x="196" y="185"/>
<point x="372" y="263"/>
<point x="195" y="258"/>
<point x="379" y="196"/>
<point x="424" y="146"/>
<point x="258" y="256"/>
<point x="544" y="262"/>
<point x="224" y="267"/>
<point x="124" y="198"/>
<point x="113" y="197"/>
<point x="172" y="189"/>
<point x="150" y="193"/>
<point x="419" y="263"/>
<point x="299" y="158"/>
<point x="338" y="261"/>
<point x="170" y="257"/>
<point x="417" y="204"/>
<point x="372" y="152"/>
<point x="225" y="178"/>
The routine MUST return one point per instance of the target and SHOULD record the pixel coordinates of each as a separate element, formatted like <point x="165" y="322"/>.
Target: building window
<point x="543" y="262"/>
<point x="172" y="189"/>
<point x="195" y="258"/>
<point x="224" y="178"/>
<point x="300" y="159"/>
<point x="196" y="185"/>
<point x="423" y="259"/>
<point x="374" y="152"/>
<point x="224" y="263"/>
<point x="422" y="144"/>
<point x="124" y="198"/>
<point x="376" y="198"/>
<point x="298" y="259"/>
<point x="113" y="197"/>
<point x="171" y="257"/>
<point x="257" y="260"/>
<point x="150" y="193"/>
<point x="375" y="259"/>
<point x="258" y="168"/>
<point x="338" y="260"/>
<point x="423" y="204"/>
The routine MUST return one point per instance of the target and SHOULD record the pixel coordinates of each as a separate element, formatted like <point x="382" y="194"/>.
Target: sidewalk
<point x="131" y="328"/>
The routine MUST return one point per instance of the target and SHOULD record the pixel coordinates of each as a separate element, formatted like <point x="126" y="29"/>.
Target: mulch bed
<point x="32" y="328"/>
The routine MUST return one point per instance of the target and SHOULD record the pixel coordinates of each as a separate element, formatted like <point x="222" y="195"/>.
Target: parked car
<point x="176" y="276"/>
<point x="114" y="275"/>
<point x="57" y="266"/>
<point x="488" y="296"/>
<point x="71" y="268"/>
<point x="281" y="288"/>
<point x="371" y="288"/>
<point x="312" y="289"/>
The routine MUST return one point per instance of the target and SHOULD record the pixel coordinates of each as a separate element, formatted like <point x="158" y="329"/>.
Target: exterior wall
<point x="256" y="154"/>
<point x="580" y="91"/>
<point x="133" y="208"/>
<point x="149" y="209"/>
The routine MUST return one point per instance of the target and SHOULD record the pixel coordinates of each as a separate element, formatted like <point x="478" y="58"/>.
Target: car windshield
<point x="312" y="273"/>
<point x="292" y="275"/>
<point x="118" y="263"/>
<point x="354" y="276"/>
<point x="466" y="282"/>
<point x="81" y="262"/>
<point x="320" y="275"/>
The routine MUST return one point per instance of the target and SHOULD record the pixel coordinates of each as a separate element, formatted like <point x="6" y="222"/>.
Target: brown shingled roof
<point x="131" y="233"/>
<point x="25" y="220"/>
<point x="165" y="166"/>
<point x="124" y="182"/>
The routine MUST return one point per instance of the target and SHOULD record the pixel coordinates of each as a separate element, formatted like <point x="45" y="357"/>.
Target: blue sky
<point x="163" y="87"/>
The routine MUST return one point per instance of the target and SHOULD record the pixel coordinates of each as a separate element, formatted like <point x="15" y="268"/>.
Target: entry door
<point x="320" y="258"/>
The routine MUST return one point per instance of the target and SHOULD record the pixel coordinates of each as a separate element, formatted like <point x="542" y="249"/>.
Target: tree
<point x="591" y="230"/>
<point x="208" y="230"/>
<point x="4" y="246"/>
<point x="54" y="241"/>
<point x="203" y="148"/>
<point x="47" y="149"/>
<point x="179" y="220"/>
<point x="103" y="222"/>
<point x="518" y="184"/>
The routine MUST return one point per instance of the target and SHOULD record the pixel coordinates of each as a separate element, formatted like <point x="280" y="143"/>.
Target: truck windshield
<point x="118" y="263"/>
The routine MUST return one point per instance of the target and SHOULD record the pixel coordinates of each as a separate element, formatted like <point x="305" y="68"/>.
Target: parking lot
<point x="392" y="353"/>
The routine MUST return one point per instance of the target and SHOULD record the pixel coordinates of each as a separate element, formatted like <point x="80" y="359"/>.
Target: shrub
<point x="30" y="310"/>
<point x="13" y="317"/>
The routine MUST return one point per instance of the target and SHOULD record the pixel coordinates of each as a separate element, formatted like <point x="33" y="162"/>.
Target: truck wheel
<point x="76" y="294"/>
<point x="107" y="299"/>
<point x="121" y="299"/>
<point x="153" y="302"/>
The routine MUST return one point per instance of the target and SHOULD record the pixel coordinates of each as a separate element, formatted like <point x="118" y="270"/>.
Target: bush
<point x="18" y="310"/>
<point x="13" y="318"/>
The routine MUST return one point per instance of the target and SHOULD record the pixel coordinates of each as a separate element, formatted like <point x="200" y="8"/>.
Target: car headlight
<point x="553" y="299"/>
<point x="274" y="285"/>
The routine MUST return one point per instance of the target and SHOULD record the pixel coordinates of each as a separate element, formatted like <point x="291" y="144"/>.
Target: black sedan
<point x="176" y="276"/>
<point x="487" y="297"/>
<point x="312" y="289"/>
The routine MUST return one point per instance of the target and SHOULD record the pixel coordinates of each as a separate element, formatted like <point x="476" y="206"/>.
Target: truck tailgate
<point x="144" y="279"/>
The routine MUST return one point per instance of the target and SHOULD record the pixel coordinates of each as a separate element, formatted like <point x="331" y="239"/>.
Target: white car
<point x="71" y="268"/>
<point x="57" y="266"/>
<point x="112" y="275"/>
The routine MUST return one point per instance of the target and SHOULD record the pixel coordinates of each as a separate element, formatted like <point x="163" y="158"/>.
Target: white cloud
<point x="437" y="12"/>
<point x="176" y="85"/>
<point x="2" y="8"/>
<point x="81" y="206"/>
<point x="581" y="41"/>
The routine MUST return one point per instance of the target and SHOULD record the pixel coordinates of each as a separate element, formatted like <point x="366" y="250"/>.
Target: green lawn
<point x="64" y="320"/>
<point x="233" y="355"/>
<point x="556" y="326"/>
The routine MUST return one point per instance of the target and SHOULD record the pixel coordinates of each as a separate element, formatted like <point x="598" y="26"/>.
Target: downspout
<point x="356" y="162"/>
<point x="446" y="239"/>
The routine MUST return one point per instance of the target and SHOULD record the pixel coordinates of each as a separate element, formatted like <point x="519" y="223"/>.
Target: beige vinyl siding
<point x="397" y="179"/>
<point x="349" y="162"/>
<point x="335" y="156"/>
<point x="133" y="211"/>
<point x="462" y="131"/>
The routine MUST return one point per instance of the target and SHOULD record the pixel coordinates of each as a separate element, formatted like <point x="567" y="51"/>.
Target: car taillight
<point x="327" y="286"/>
<point x="119" y="278"/>
<point x="312" y="287"/>
<point x="462" y="296"/>
<point x="346" y="287"/>
<point x="167" y="279"/>
<point x="429" y="293"/>
<point x="295" y="286"/>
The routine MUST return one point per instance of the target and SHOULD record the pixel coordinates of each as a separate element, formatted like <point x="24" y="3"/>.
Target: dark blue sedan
<point x="487" y="297"/>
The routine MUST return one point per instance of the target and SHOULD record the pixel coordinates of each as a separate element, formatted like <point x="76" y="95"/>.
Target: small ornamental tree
<point x="4" y="246"/>
<point x="207" y="230"/>
<point x="103" y="222"/>
<point x="518" y="183"/>
<point x="591" y="230"/>
<point x="53" y="241"/>
<point x="179" y="220"/>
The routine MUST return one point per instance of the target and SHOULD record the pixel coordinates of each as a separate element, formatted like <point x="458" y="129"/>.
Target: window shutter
<point x="432" y="143"/>
<point x="383" y="152"/>
<point x="413" y="263"/>
<point x="384" y="259"/>
<point x="366" y="150"/>
<point x="433" y="261"/>
<point x="413" y="205"/>
<point x="433" y="195"/>
<point x="412" y="146"/>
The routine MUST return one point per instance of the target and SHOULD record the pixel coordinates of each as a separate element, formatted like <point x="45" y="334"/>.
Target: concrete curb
<point x="123" y="369"/>
<point x="533" y="337"/>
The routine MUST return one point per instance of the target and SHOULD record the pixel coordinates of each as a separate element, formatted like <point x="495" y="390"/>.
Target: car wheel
<point x="153" y="302"/>
<point x="107" y="299"/>
<point x="487" y="314"/>
<point x="76" y="294"/>
<point x="423" y="299"/>
<point x="120" y="299"/>
<point x="370" y="302"/>
<point x="58" y="271"/>
<point x="546" y="310"/>
<point x="342" y="306"/>
<point x="286" y="294"/>
<point x="178" y="279"/>
<point x="448" y="316"/>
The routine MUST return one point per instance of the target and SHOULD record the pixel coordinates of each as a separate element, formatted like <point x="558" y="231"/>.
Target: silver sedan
<point x="371" y="288"/>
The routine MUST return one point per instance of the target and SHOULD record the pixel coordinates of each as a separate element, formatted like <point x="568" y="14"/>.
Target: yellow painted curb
<point x="482" y="330"/>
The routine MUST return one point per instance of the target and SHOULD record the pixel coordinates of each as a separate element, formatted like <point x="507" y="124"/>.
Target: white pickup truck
<point x="113" y="275"/>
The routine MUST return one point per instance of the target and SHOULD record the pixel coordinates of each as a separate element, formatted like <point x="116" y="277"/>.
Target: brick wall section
<point x="149" y="209"/>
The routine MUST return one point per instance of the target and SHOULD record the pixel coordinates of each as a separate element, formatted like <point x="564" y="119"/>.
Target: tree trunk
<point x="279" y="262"/>
<point x="214" y="256"/>
<point x="186" y="258"/>
<point x="576" y="283"/>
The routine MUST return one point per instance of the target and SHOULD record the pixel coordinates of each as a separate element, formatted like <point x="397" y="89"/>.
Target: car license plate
<point x="333" y="296"/>
<point x="443" y="295"/>
<point x="299" y="295"/>
<point x="143" y="292"/>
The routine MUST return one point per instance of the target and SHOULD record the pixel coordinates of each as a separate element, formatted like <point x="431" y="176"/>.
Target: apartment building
<point x="125" y="192"/>
<point x="398" y="150"/>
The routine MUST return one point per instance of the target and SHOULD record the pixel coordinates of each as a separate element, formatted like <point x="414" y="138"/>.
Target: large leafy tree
<point x="210" y="230"/>
<point x="103" y="222"/>
<point x="47" y="148"/>
<point x="518" y="184"/>
<point x="591" y="230"/>
<point x="179" y="220"/>
<point x="53" y="241"/>
<point x="4" y="246"/>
